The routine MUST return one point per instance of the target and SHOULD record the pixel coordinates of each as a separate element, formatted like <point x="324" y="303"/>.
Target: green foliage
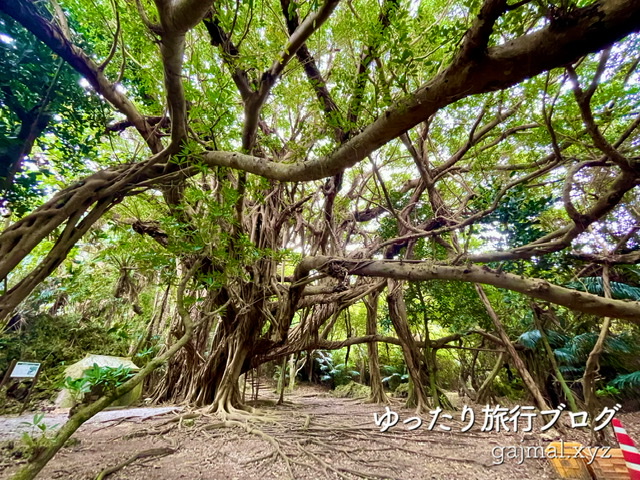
<point x="98" y="380"/>
<point x="143" y="357"/>
<point x="56" y="342"/>
<point x="402" y="390"/>
<point x="629" y="381"/>
<point x="532" y="338"/>
<point x="436" y="302"/>
<point x="619" y="356"/>
<point x="518" y="215"/>
<point x="334" y="374"/>
<point x="37" y="439"/>
<point x="398" y="376"/>
<point x="352" y="390"/>
<point x="513" y="390"/>
<point x="394" y="375"/>
<point x="278" y="371"/>
<point x="448" y="368"/>
<point x="608" y="391"/>
<point x="38" y="88"/>
<point x="595" y="285"/>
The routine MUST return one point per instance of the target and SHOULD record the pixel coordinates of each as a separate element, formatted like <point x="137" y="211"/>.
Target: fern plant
<point x="572" y="352"/>
<point x="335" y="374"/>
<point x="628" y="381"/>
<point x="595" y="285"/>
<point x="394" y="376"/>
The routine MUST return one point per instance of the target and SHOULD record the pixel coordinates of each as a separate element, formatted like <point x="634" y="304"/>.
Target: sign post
<point x="7" y="375"/>
<point x="23" y="371"/>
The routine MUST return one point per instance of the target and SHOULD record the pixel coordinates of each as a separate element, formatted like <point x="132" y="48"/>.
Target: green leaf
<point x="627" y="381"/>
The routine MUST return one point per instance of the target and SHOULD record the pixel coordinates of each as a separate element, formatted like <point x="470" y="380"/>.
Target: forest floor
<point x="313" y="435"/>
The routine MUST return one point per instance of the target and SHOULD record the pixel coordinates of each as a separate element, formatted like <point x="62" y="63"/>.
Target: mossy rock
<point x="352" y="390"/>
<point x="394" y="382"/>
<point x="402" y="390"/>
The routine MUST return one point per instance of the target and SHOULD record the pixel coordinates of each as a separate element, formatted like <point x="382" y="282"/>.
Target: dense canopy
<point x="266" y="167"/>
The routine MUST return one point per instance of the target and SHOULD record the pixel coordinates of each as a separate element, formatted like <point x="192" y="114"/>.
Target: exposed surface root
<point x="316" y="437"/>
<point x="153" y="452"/>
<point x="164" y="427"/>
<point x="240" y="413"/>
<point x="300" y="446"/>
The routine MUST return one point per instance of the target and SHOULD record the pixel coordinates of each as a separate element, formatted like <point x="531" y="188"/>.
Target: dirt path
<point x="12" y="427"/>
<point x="313" y="436"/>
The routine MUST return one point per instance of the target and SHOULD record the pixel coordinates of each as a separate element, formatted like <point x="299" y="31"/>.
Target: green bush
<point x="37" y="439"/>
<point x="394" y="376"/>
<point x="402" y="390"/>
<point x="97" y="381"/>
<point x="352" y="390"/>
<point x="56" y="342"/>
<point x="334" y="374"/>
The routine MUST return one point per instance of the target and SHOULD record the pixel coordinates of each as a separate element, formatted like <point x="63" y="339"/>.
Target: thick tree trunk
<point x="375" y="380"/>
<point x="398" y="314"/>
<point x="228" y="397"/>
<point x="214" y="380"/>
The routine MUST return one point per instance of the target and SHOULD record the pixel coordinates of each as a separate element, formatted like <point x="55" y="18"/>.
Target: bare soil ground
<point x="312" y="436"/>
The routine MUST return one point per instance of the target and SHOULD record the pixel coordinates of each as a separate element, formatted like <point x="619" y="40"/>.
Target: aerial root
<point x="307" y="443"/>
<point x="268" y="456"/>
<point x="148" y="432"/>
<point x="180" y="418"/>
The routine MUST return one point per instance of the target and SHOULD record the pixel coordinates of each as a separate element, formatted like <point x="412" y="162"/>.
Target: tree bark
<point x="375" y="380"/>
<point x="554" y="364"/>
<point x="593" y="364"/>
<point x="532" y="287"/>
<point x="517" y="361"/>
<point x="398" y="314"/>
<point x="483" y="391"/>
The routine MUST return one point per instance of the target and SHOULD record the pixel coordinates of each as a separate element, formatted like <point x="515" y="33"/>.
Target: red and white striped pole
<point x="629" y="450"/>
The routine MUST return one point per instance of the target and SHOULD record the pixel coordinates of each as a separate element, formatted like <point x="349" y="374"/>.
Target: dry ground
<point x="312" y="436"/>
